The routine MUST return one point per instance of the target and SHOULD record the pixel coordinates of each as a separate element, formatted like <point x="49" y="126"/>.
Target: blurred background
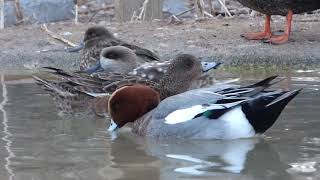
<point x="40" y="11"/>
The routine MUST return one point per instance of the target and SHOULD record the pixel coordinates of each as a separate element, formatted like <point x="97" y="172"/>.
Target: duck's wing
<point x="218" y="100"/>
<point x="148" y="55"/>
<point x="61" y="88"/>
<point x="260" y="111"/>
<point x="58" y="72"/>
<point x="94" y="85"/>
<point x="142" y="52"/>
<point x="65" y="75"/>
<point x="109" y="77"/>
<point x="208" y="110"/>
<point x="153" y="71"/>
<point x="250" y="90"/>
<point x="110" y="83"/>
<point x="129" y="82"/>
<point x="139" y="51"/>
<point x="91" y="91"/>
<point x="76" y="78"/>
<point x="204" y="113"/>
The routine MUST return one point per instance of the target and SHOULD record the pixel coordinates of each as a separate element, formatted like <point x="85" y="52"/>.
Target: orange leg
<point x="266" y="34"/>
<point x="285" y="36"/>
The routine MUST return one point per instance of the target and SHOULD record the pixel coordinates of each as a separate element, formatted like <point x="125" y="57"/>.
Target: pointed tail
<point x="63" y="89"/>
<point x="264" y="110"/>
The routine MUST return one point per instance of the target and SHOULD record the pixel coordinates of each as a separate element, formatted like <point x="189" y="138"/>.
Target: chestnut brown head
<point x="129" y="103"/>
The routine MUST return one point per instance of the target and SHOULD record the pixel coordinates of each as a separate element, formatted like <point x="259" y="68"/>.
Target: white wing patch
<point x="187" y="114"/>
<point x="183" y="115"/>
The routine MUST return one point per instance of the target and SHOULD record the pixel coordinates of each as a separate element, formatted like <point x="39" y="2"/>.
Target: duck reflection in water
<point x="251" y="158"/>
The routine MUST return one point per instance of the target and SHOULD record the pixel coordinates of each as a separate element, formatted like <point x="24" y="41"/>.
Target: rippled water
<point x="38" y="144"/>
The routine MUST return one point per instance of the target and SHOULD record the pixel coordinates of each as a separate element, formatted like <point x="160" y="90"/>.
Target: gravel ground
<point x="216" y="38"/>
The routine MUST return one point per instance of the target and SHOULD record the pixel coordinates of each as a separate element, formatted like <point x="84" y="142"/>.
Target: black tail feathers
<point x="264" y="110"/>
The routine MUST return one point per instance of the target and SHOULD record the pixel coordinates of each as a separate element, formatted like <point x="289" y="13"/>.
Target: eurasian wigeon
<point x="217" y="112"/>
<point x="97" y="38"/>
<point x="177" y="77"/>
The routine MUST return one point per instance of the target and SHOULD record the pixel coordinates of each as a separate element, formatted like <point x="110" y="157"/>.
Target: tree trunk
<point x="1" y="14"/>
<point x="125" y="9"/>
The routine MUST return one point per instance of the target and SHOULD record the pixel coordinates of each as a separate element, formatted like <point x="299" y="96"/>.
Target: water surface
<point x="39" y="144"/>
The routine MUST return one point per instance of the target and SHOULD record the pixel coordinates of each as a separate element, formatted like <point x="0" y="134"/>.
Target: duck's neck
<point x="140" y="126"/>
<point x="171" y="85"/>
<point x="95" y="42"/>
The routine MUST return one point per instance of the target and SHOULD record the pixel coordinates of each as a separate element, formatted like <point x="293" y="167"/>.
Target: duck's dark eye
<point x="111" y="56"/>
<point x="188" y="63"/>
<point x="115" y="107"/>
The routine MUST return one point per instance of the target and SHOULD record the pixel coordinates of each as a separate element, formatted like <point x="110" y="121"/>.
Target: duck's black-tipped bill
<point x="76" y="48"/>
<point x="93" y="69"/>
<point x="113" y="126"/>
<point x="206" y="66"/>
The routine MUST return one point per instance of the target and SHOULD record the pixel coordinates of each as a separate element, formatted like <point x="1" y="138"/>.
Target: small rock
<point x="67" y="33"/>
<point x="243" y="11"/>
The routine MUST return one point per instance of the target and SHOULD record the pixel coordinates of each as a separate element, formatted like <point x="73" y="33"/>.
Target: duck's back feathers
<point x="153" y="71"/>
<point x="148" y="55"/>
<point x="129" y="82"/>
<point x="281" y="7"/>
<point x="250" y="90"/>
<point x="223" y="94"/>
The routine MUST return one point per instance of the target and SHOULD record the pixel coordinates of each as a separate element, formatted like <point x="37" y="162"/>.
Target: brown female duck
<point x="78" y="89"/>
<point x="97" y="37"/>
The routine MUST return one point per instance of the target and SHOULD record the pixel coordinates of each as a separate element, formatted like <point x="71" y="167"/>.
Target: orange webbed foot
<point x="278" y="39"/>
<point x="266" y="34"/>
<point x="256" y="35"/>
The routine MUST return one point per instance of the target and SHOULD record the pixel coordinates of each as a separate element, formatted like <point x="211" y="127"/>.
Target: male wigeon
<point x="178" y="76"/>
<point x="228" y="112"/>
<point x="97" y="37"/>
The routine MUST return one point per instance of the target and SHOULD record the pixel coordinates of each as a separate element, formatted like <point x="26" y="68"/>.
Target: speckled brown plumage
<point x="96" y="38"/>
<point x="178" y="77"/>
